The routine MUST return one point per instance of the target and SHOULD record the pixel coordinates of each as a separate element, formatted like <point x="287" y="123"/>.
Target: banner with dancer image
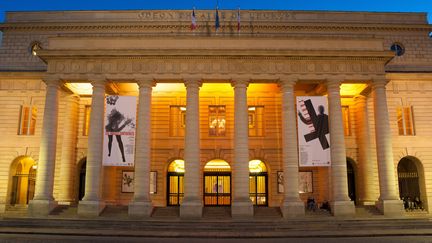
<point x="313" y="131"/>
<point x="119" y="134"/>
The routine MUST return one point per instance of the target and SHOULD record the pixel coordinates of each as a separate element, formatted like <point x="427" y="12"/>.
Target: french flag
<point x="238" y="20"/>
<point x="193" y="24"/>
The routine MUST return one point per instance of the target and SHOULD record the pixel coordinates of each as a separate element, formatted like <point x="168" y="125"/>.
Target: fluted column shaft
<point x="289" y="142"/>
<point x="95" y="143"/>
<point x="337" y="143"/>
<point x="47" y="154"/>
<point x="241" y="141"/>
<point x="383" y="142"/>
<point x="191" y="206"/>
<point x="67" y="167"/>
<point x="365" y="162"/>
<point x="143" y="143"/>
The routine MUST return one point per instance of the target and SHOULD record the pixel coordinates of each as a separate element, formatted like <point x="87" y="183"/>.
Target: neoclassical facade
<point x="216" y="120"/>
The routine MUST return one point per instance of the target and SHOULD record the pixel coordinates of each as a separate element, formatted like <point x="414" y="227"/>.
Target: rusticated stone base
<point x="140" y="209"/>
<point x="90" y="208"/>
<point x="391" y="208"/>
<point x="342" y="208"/>
<point x="292" y="209"/>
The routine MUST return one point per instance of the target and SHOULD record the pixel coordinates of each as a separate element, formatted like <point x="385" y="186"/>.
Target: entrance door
<point x="258" y="183"/>
<point x="217" y="189"/>
<point x="217" y="183"/>
<point x="258" y="188"/>
<point x="82" y="177"/>
<point x="351" y="181"/>
<point x="175" y="188"/>
<point x="175" y="182"/>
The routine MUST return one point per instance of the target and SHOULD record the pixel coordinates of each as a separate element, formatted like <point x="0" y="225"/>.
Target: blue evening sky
<point x="341" y="5"/>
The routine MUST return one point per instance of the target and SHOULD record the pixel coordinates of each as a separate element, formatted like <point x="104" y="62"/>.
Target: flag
<point x="238" y="20"/>
<point x="193" y="24"/>
<point x="217" y="24"/>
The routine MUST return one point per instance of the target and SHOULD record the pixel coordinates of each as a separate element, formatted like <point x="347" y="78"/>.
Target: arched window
<point x="258" y="182"/>
<point x="175" y="182"/>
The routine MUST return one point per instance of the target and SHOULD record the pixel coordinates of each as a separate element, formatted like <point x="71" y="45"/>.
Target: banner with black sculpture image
<point x="313" y="131"/>
<point x="119" y="130"/>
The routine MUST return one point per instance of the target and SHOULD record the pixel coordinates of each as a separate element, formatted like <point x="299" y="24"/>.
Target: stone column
<point x="43" y="202"/>
<point x="365" y="162"/>
<point x="91" y="204"/>
<point x="341" y="204"/>
<point x="388" y="201"/>
<point x="291" y="206"/>
<point x="141" y="205"/>
<point x="69" y="143"/>
<point x="191" y="206"/>
<point x="241" y="204"/>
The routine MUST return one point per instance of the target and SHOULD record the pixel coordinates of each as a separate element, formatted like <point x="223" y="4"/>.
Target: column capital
<point x="192" y="82"/>
<point x="379" y="83"/>
<point x="51" y="81"/>
<point x="145" y="83"/>
<point x="333" y="84"/>
<point x="240" y="83"/>
<point x="287" y="84"/>
<point x="360" y="99"/>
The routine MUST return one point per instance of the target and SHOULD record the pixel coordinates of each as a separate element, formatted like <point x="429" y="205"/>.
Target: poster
<point x="128" y="181"/>
<point x="119" y="134"/>
<point x="313" y="131"/>
<point x="305" y="182"/>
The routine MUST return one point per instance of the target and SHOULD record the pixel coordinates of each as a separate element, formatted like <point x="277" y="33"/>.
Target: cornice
<point x="206" y="27"/>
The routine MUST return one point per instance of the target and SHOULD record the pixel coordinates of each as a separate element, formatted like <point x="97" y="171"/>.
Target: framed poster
<point x="280" y="181"/>
<point x="153" y="182"/>
<point x="119" y="135"/>
<point x="305" y="182"/>
<point x="313" y="131"/>
<point x="127" y="181"/>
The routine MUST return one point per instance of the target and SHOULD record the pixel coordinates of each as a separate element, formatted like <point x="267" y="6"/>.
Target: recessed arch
<point x="412" y="188"/>
<point x="258" y="182"/>
<point x="22" y="178"/>
<point x="217" y="183"/>
<point x="175" y="182"/>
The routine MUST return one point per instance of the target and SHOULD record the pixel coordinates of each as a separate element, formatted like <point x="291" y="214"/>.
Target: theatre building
<point x="141" y="109"/>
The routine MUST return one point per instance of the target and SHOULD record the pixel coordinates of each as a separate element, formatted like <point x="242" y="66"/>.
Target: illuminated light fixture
<point x="217" y="165"/>
<point x="251" y="108"/>
<point x="34" y="167"/>
<point x="80" y="88"/>
<point x="182" y="108"/>
<point x="352" y="89"/>
<point x="178" y="165"/>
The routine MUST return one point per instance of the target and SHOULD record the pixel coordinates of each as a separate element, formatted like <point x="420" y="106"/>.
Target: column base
<point x="391" y="208"/>
<point x="292" y="209"/>
<point x="342" y="208"/>
<point x="90" y="208"/>
<point x="242" y="209"/>
<point x="141" y="209"/>
<point x="191" y="209"/>
<point x="41" y="208"/>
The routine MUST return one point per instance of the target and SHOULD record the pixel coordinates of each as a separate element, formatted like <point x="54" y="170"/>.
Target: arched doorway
<point x="409" y="183"/>
<point x="82" y="177"/>
<point x="175" y="182"/>
<point x="217" y="183"/>
<point x="351" y="180"/>
<point x="258" y="183"/>
<point x="23" y="171"/>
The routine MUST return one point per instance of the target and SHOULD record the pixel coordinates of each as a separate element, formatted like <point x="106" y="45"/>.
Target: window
<point x="87" y="111"/>
<point x="177" y="120"/>
<point x="255" y="120"/>
<point x="405" y="120"/>
<point x="398" y="49"/>
<point x="346" y="120"/>
<point x="27" y="120"/>
<point x="217" y="120"/>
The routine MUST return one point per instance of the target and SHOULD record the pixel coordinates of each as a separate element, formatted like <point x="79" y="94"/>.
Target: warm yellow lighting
<point x="352" y="89"/>
<point x="252" y="108"/>
<point x="34" y="167"/>
<point x="256" y="166"/>
<point x="80" y="88"/>
<point x="182" y="108"/>
<point x="167" y="87"/>
<point x="177" y="166"/>
<point x="217" y="165"/>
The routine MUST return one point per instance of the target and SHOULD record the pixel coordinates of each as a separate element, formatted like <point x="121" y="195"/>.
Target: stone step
<point x="217" y="212"/>
<point x="166" y="212"/>
<point x="267" y="212"/>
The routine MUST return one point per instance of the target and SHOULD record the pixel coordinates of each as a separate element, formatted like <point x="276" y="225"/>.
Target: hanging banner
<point x="119" y="135"/>
<point x="313" y="131"/>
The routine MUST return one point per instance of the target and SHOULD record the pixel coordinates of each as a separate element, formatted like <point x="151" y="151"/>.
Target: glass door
<point x="175" y="189"/>
<point x="217" y="189"/>
<point x="258" y="188"/>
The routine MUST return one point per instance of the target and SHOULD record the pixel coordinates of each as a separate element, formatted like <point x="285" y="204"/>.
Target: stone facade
<point x="276" y="56"/>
